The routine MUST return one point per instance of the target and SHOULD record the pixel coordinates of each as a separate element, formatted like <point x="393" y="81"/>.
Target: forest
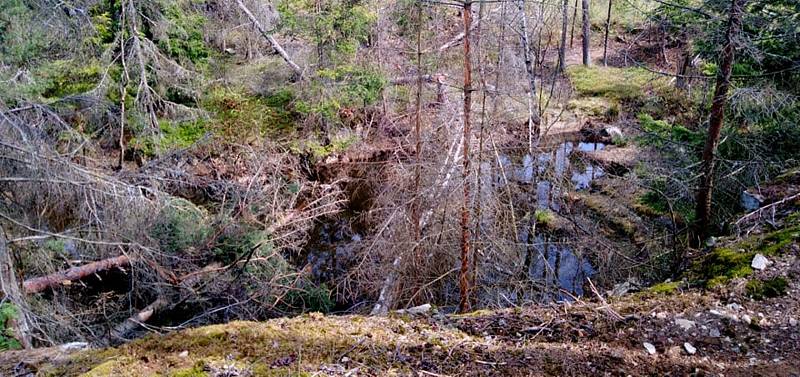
<point x="399" y="187"/>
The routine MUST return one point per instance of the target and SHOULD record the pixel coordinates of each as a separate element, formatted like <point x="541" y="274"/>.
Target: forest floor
<point x="719" y="331"/>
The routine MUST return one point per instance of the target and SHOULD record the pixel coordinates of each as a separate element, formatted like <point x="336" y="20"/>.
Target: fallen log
<point x="120" y="331"/>
<point x="43" y="283"/>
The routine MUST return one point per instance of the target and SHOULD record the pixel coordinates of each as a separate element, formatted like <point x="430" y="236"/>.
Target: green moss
<point x="760" y="289"/>
<point x="665" y="287"/>
<point x="544" y="217"/>
<point x="723" y="264"/>
<point x="595" y="106"/>
<point x="195" y="371"/>
<point x="611" y="83"/>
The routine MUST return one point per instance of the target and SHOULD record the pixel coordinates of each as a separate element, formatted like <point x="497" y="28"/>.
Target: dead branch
<point x="272" y="41"/>
<point x="42" y="283"/>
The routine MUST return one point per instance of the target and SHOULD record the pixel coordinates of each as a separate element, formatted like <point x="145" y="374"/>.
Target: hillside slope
<point x="719" y="331"/>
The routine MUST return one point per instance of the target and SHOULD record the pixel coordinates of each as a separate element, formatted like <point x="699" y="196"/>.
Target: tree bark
<point x="533" y="114"/>
<point x="464" y="303"/>
<point x="605" y="38"/>
<point x="704" y="193"/>
<point x="562" y="48"/>
<point x="587" y="61"/>
<point x="42" y="283"/>
<point x="121" y="331"/>
<point x="572" y="29"/>
<point x="272" y="41"/>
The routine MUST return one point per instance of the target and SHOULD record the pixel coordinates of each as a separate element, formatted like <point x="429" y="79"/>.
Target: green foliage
<point x="183" y="39"/>
<point x="359" y="87"/>
<point x="660" y="131"/>
<point x="61" y="78"/>
<point x="770" y="288"/>
<point x="22" y="39"/>
<point x="180" y="226"/>
<point x="338" y="144"/>
<point x="337" y="28"/>
<point x="544" y="217"/>
<point x="596" y="106"/>
<point x="239" y="242"/>
<point x="610" y="82"/>
<point x="309" y="298"/>
<point x="7" y="340"/>
<point x="238" y="115"/>
<point x="173" y="135"/>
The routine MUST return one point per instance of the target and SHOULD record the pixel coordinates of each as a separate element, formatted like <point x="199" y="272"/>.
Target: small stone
<point x="684" y="323"/>
<point x="792" y="322"/>
<point x="746" y="319"/>
<point x="689" y="348"/>
<point x="734" y="306"/>
<point x="760" y="262"/>
<point x="651" y="349"/>
<point x="714" y="333"/>
<point x="184" y="354"/>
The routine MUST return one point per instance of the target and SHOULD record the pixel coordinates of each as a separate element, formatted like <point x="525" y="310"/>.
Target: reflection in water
<point x="557" y="266"/>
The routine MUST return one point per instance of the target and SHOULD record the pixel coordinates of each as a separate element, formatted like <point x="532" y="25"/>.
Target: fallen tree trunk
<point x="121" y="330"/>
<point x="42" y="283"/>
<point x="272" y="41"/>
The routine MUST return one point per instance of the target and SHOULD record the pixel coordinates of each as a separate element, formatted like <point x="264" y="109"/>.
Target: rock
<point x="421" y="309"/>
<point x="689" y="348"/>
<point x="651" y="349"/>
<point x="792" y="322"/>
<point x="74" y="346"/>
<point x="612" y="132"/>
<point x="751" y="202"/>
<point x="734" y="306"/>
<point x="184" y="354"/>
<point x="714" y="333"/>
<point x="746" y="319"/>
<point x="760" y="262"/>
<point x="685" y="323"/>
<point x="624" y="288"/>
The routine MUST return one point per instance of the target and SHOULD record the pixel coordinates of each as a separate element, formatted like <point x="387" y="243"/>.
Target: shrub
<point x="180" y="225"/>
<point x="7" y="341"/>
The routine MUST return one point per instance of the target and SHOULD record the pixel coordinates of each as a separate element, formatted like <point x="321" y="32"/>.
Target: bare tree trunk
<point x="681" y="81"/>
<point x="533" y="114"/>
<point x="572" y="30"/>
<point x="415" y="205"/>
<point x="10" y="288"/>
<point x="42" y="283"/>
<point x="272" y="41"/>
<point x="605" y="39"/>
<point x="464" y="303"/>
<point x="703" y="209"/>
<point x="587" y="61"/>
<point x="562" y="48"/>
